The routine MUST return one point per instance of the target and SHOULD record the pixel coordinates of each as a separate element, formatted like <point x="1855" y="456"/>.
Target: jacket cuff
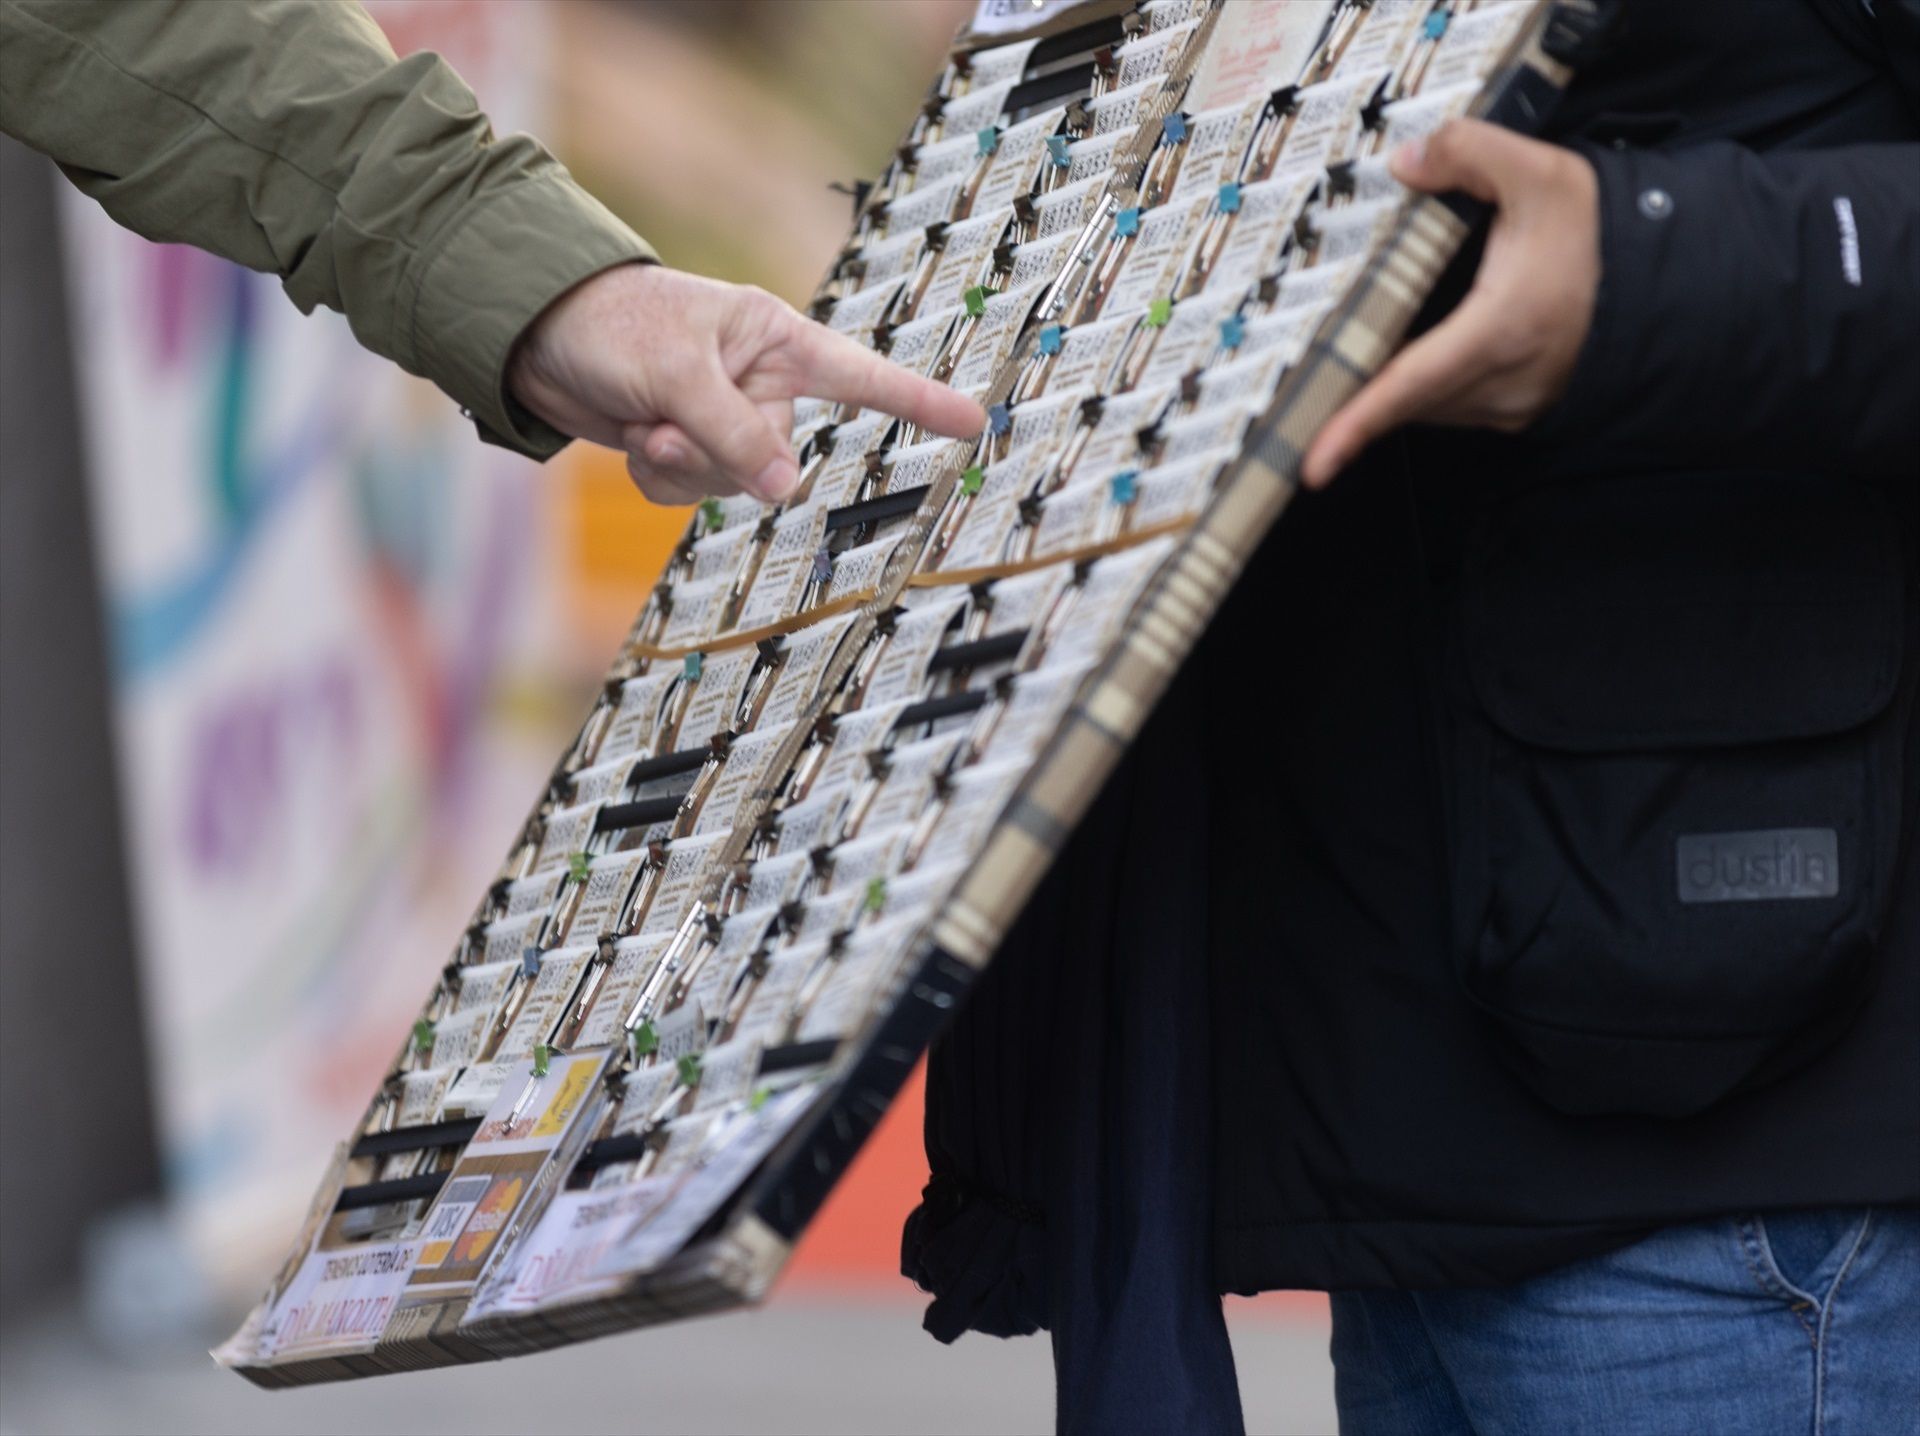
<point x="492" y="274"/>
<point x="1643" y="222"/>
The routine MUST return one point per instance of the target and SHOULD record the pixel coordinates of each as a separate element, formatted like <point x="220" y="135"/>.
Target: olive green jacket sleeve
<point x="285" y="135"/>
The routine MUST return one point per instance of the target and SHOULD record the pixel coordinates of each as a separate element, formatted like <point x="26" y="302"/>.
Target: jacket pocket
<point x="1677" y="724"/>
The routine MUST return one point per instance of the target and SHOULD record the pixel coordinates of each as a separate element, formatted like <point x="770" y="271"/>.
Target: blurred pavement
<point x="812" y="1361"/>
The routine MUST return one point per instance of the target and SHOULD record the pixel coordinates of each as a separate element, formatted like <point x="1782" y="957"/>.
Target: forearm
<point x="287" y="137"/>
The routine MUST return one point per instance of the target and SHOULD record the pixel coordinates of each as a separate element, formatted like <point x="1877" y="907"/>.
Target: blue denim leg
<point x="1794" y="1323"/>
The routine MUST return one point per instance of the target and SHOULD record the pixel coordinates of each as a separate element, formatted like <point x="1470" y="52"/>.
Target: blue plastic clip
<point x="1233" y="331"/>
<point x="1126" y="222"/>
<point x="1436" y="25"/>
<point x="1057" y="150"/>
<point x="999" y="419"/>
<point x="529" y="962"/>
<point x="1123" y="486"/>
<point x="1174" y="127"/>
<point x="822" y="565"/>
<point x="988" y="139"/>
<point x="1050" y="338"/>
<point x="1229" y="201"/>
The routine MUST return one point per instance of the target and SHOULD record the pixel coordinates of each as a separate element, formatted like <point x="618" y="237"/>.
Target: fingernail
<point x="672" y="456"/>
<point x="776" y="480"/>
<point x="1410" y="155"/>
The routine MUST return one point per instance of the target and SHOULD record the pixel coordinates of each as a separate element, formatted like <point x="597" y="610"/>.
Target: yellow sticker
<point x="573" y="1087"/>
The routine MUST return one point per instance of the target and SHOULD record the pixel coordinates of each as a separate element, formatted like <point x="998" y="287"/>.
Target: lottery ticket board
<point x="846" y="736"/>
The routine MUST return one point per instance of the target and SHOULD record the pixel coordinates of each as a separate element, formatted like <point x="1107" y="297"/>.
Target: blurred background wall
<point x="284" y="656"/>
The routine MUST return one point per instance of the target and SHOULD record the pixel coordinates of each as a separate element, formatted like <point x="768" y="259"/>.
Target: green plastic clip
<point x="644" y="1039"/>
<point x="1158" y="313"/>
<point x="971" y="480"/>
<point x="577" y="866"/>
<point x="976" y="299"/>
<point x="876" y="897"/>
<point x="713" y="515"/>
<point x="423" y="1034"/>
<point x="542" y="1059"/>
<point x="688" y="1070"/>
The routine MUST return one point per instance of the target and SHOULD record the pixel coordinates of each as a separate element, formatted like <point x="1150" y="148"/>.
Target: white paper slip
<point x="1024" y="600"/>
<point x="769" y="1007"/>
<point x="901" y="672"/>
<point x="546" y="1002"/>
<point x="1106" y="598"/>
<point x="555" y="1262"/>
<point x="1154" y="254"/>
<point x="925" y="205"/>
<point x="1001" y="63"/>
<point x="1388" y="31"/>
<point x="918" y="345"/>
<point x="1120" y="111"/>
<point x="1039" y="261"/>
<point x="1189" y="338"/>
<point x="976" y="797"/>
<point x="600" y="783"/>
<point x="748" y="765"/>
<point x="1352" y="230"/>
<point x="728" y="1072"/>
<point x="1088" y="353"/>
<point x="1066" y="209"/>
<point x="812" y="823"/>
<point x="610" y="880"/>
<point x="803" y="660"/>
<point x="732" y="1150"/>
<point x="634" y="960"/>
<point x="507" y="938"/>
<point x="857" y="313"/>
<point x="1248" y="380"/>
<point x="717" y="694"/>
<point x="1326" y="125"/>
<point x="1255" y="49"/>
<point x="566" y="832"/>
<point x="536" y="894"/>
<point x="892" y="257"/>
<point x="773" y="880"/>
<point x="1216" y="139"/>
<point x="797" y="536"/>
<point x="1420" y="116"/>
<point x="338" y="1300"/>
<point x="1179" y="491"/>
<point x="1472" y="44"/>
<point x="1115" y="441"/>
<point x="1259" y="230"/>
<point x="719" y="554"/>
<point x="637" y="715"/>
<point x="974" y="111"/>
<point x="912" y="769"/>
<point x="982" y="540"/>
<point x="1016" y="161"/>
<point x="482" y="985"/>
<point x="690" y="864"/>
<point x="1070" y="518"/>
<point x="1091" y="159"/>
<point x="460" y="1037"/>
<point x="477" y="1087"/>
<point x="966" y="257"/>
<point x="855" y="735"/>
<point x="876" y="853"/>
<point x="1153" y="54"/>
<point x="994" y="335"/>
<point x="939" y="161"/>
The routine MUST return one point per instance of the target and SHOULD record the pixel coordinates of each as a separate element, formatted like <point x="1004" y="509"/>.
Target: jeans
<point x="1794" y="1322"/>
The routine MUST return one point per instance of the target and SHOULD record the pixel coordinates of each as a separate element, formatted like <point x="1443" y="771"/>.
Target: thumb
<point x="1471" y="156"/>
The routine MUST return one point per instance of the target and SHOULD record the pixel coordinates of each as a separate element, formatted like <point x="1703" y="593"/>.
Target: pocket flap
<point x="1684" y="609"/>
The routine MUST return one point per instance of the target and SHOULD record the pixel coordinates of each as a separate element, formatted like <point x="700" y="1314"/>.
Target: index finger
<point x="1436" y="365"/>
<point x="832" y="366"/>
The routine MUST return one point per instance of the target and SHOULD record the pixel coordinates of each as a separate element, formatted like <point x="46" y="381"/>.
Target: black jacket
<point x="1559" y="869"/>
<point x="1472" y="1028"/>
